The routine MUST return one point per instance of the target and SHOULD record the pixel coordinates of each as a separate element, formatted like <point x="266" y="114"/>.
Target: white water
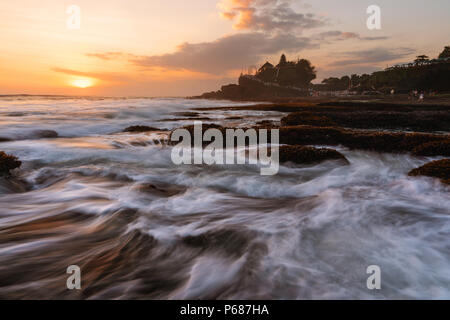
<point x="141" y="227"/>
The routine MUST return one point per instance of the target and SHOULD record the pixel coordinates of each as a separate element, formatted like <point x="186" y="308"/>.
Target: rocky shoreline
<point x="420" y="130"/>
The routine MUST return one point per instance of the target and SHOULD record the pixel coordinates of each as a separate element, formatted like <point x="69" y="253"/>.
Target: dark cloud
<point x="372" y="56"/>
<point x="226" y="53"/>
<point x="268" y="15"/>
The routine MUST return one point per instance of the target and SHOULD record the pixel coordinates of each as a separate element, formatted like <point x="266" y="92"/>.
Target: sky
<point x="179" y="47"/>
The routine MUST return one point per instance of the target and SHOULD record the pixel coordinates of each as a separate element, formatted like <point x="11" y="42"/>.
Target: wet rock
<point x="39" y="134"/>
<point x="306" y="118"/>
<point x="308" y="155"/>
<point x="437" y="148"/>
<point x="13" y="185"/>
<point x="266" y="123"/>
<point x="186" y="119"/>
<point x="437" y="169"/>
<point x="8" y="163"/>
<point x="233" y="241"/>
<point x="395" y="142"/>
<point x="205" y="127"/>
<point x="141" y="129"/>
<point x="186" y="114"/>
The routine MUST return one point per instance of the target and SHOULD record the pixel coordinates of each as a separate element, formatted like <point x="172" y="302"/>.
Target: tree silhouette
<point x="288" y="73"/>
<point x="421" y="59"/>
<point x="446" y="53"/>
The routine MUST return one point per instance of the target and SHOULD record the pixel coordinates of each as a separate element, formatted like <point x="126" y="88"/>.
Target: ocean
<point x="141" y="227"/>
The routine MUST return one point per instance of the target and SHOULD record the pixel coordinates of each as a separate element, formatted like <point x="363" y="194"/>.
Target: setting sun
<point x="82" y="83"/>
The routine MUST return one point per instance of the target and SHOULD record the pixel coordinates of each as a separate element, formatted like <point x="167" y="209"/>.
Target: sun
<point x="82" y="83"/>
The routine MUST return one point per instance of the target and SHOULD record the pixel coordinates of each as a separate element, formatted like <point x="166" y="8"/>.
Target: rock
<point x="141" y="129"/>
<point x="185" y="119"/>
<point x="266" y="123"/>
<point x="436" y="148"/>
<point x="306" y="118"/>
<point x="7" y="163"/>
<point x="308" y="155"/>
<point x="234" y="118"/>
<point x="186" y="114"/>
<point x="38" y="134"/>
<point x="395" y="142"/>
<point x="205" y="126"/>
<point x="437" y="169"/>
<point x="250" y="87"/>
<point x="13" y="185"/>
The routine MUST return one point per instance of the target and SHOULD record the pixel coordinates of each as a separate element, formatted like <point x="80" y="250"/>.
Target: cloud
<point x="340" y="35"/>
<point x="113" y="77"/>
<point x="108" y="55"/>
<point x="226" y="53"/>
<point x="372" y="56"/>
<point x="267" y="15"/>
<point x="374" y="38"/>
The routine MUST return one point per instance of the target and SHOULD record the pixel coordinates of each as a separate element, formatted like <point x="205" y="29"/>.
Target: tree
<point x="355" y="80"/>
<point x="446" y="53"/>
<point x="305" y="73"/>
<point x="420" y="60"/>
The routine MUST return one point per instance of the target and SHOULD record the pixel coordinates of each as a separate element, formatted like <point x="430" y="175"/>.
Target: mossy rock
<point x="395" y="142"/>
<point x="306" y="118"/>
<point x="309" y="155"/>
<point x="436" y="148"/>
<point x="7" y="163"/>
<point x="437" y="169"/>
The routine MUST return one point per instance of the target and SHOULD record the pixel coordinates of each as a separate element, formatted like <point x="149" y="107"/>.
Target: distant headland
<point x="293" y="79"/>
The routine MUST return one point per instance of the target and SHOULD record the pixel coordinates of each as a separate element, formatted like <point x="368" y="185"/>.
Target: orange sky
<point x="162" y="48"/>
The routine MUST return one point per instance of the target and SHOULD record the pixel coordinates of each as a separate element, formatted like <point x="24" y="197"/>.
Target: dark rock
<point x="395" y="142"/>
<point x="234" y="118"/>
<point x="250" y="88"/>
<point x="306" y="118"/>
<point x="141" y="129"/>
<point x="186" y="114"/>
<point x="437" y="169"/>
<point x="205" y="126"/>
<point x="266" y="123"/>
<point x="308" y="155"/>
<point x="437" y="148"/>
<point x="38" y="134"/>
<point x="7" y="163"/>
<point x="185" y="119"/>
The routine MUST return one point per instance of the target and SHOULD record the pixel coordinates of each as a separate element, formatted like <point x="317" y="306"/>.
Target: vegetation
<point x="445" y="54"/>
<point x="288" y="73"/>
<point x="422" y="74"/>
